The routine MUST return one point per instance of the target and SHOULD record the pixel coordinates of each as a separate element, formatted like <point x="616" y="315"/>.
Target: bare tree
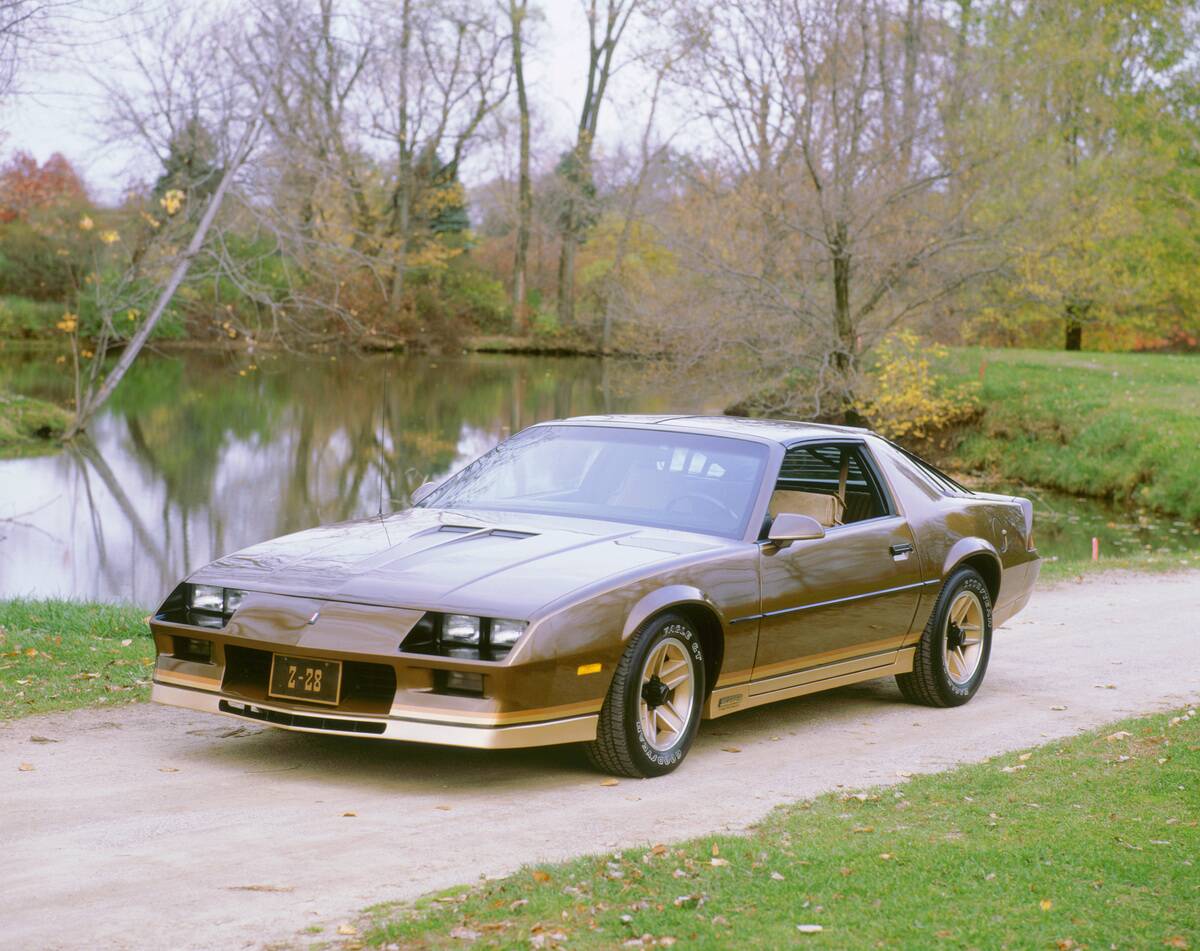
<point x="518" y="12"/>
<point x="442" y="75"/>
<point x="830" y="184"/>
<point x="92" y="388"/>
<point x="24" y="24"/>
<point x="605" y="30"/>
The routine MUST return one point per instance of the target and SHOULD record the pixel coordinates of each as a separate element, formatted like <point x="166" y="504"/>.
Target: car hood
<point x="490" y="563"/>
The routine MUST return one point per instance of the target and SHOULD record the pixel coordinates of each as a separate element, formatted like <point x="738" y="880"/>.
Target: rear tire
<point x="952" y="654"/>
<point x="652" y="711"/>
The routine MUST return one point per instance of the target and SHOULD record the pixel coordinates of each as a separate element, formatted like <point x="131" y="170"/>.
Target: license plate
<point x="303" y="678"/>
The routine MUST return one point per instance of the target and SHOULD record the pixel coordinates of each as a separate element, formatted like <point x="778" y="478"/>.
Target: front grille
<point x="297" y="719"/>
<point x="366" y="688"/>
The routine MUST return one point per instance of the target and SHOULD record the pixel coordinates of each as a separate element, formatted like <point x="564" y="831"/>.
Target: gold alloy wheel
<point x="665" y="701"/>
<point x="962" y="639"/>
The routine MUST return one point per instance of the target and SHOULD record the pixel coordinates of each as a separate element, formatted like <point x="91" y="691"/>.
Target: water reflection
<point x="192" y="460"/>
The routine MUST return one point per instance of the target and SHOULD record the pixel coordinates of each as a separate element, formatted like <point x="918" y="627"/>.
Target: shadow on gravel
<point x="414" y="768"/>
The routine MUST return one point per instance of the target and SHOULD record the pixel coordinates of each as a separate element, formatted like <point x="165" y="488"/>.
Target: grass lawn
<point x="1089" y="842"/>
<point x="1110" y="425"/>
<point x="56" y="655"/>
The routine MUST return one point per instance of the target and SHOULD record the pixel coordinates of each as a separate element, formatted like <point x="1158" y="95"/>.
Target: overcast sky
<point x="57" y="107"/>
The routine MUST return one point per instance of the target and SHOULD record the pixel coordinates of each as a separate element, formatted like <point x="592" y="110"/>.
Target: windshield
<point x="666" y="479"/>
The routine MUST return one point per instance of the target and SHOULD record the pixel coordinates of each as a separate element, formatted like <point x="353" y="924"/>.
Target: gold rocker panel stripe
<point x="732" y="699"/>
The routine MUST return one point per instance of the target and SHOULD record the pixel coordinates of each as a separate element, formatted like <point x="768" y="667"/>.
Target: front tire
<point x="652" y="711"/>
<point x="952" y="655"/>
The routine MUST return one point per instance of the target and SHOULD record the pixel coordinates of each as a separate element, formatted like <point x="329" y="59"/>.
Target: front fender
<point x="661" y="598"/>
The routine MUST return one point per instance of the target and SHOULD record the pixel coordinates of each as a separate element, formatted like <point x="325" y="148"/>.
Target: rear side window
<point x="818" y="469"/>
<point x="931" y="474"/>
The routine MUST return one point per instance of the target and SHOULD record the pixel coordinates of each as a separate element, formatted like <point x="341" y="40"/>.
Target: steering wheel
<point x="715" y="503"/>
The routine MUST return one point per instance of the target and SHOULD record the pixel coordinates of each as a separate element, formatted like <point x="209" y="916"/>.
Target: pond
<point x="199" y="454"/>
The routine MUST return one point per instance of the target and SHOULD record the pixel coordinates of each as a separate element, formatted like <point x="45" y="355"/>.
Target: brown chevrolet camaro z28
<point x="610" y="581"/>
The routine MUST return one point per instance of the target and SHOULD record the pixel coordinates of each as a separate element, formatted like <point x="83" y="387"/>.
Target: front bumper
<point x="575" y="729"/>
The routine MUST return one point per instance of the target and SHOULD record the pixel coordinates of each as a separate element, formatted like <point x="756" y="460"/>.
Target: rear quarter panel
<point x="949" y="529"/>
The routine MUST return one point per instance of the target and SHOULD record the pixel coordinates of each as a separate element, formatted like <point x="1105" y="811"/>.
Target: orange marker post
<point x="1095" y="548"/>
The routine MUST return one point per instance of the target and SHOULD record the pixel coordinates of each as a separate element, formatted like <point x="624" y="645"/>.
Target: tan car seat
<point x="826" y="509"/>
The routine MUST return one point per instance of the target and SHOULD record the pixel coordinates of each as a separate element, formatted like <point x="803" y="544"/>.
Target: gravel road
<point x="148" y="827"/>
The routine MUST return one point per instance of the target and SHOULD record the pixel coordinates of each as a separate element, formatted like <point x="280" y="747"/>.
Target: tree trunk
<point x="566" y="280"/>
<point x="520" y="316"/>
<point x="1074" y="335"/>
<point x="402" y="196"/>
<point x="844" y="357"/>
<point x="909" y="104"/>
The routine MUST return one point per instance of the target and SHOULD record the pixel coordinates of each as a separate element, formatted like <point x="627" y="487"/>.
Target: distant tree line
<point x="795" y="181"/>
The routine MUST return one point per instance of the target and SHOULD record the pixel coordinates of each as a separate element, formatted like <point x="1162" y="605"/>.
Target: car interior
<point x="830" y="483"/>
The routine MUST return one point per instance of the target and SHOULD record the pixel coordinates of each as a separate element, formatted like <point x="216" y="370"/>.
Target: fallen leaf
<point x="719" y="862"/>
<point x="1058" y="707"/>
<point x="347" y="929"/>
<point x="167" y="769"/>
<point x="1046" y="904"/>
<point x="1105" y="686"/>
<point x="809" y="929"/>
<point x="127" y="642"/>
<point x="463" y="933"/>
<point x="903" y="774"/>
<point x="886" y="856"/>
<point x="1176" y="941"/>
<point x="1024" y="757"/>
<point x="349" y="815"/>
<point x="731" y="749"/>
<point x="26" y="767"/>
<point x="540" y="876"/>
<point x="716" y="850"/>
<point x="443" y="808"/>
<point x="863" y="829"/>
<point x="42" y="739"/>
<point x="776" y="876"/>
<point x="1119" y="735"/>
<point x="659" y="849"/>
<point x="519" y="903"/>
<point x="609" y="782"/>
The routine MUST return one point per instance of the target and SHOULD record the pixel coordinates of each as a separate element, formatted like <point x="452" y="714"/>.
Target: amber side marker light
<point x="584" y="669"/>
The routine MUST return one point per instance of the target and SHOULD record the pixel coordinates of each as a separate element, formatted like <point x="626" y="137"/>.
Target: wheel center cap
<point x="655" y="692"/>
<point x="954" y="637"/>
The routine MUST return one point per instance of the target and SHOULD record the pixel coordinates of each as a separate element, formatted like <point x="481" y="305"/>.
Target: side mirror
<point x="422" y="491"/>
<point x="789" y="527"/>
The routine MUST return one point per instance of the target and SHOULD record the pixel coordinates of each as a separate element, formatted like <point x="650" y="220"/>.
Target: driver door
<point x="844" y="602"/>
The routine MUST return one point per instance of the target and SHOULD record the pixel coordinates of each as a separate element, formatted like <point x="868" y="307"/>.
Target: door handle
<point x="902" y="549"/>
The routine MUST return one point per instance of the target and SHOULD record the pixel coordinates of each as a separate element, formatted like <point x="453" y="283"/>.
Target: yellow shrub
<point x="905" y="398"/>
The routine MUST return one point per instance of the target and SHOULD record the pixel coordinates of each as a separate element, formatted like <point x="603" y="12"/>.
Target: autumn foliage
<point x="26" y="186"/>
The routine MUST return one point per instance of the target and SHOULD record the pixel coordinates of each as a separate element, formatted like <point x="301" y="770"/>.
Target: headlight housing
<point x="464" y="635"/>
<point x="462" y="629"/>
